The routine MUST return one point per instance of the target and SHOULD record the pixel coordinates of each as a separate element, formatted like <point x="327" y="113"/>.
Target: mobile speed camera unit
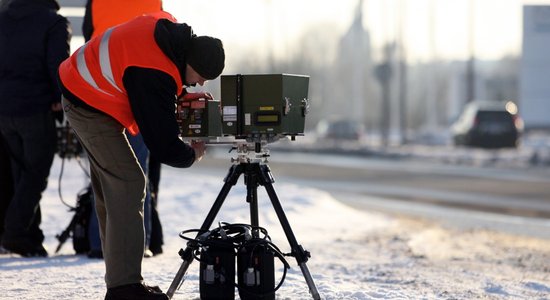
<point x="253" y="108"/>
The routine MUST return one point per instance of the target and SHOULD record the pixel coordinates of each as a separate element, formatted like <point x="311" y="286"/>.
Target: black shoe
<point x="4" y="250"/>
<point x="40" y="251"/>
<point x="136" y="291"/>
<point x="95" y="253"/>
<point x="156" y="250"/>
<point x="25" y="248"/>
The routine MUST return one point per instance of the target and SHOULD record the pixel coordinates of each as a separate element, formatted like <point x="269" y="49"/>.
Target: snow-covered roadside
<point x="355" y="254"/>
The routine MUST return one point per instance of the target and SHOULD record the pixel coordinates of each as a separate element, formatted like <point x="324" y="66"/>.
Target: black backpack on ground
<point x="78" y="228"/>
<point x="85" y="200"/>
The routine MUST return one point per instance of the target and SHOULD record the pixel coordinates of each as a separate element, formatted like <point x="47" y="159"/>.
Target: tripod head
<point x="248" y="151"/>
<point x="256" y="152"/>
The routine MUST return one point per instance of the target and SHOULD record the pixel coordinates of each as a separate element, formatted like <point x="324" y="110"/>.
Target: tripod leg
<point x="297" y="250"/>
<point x="62" y="238"/>
<point x="251" y="180"/>
<point x="187" y="255"/>
<point x="178" y="279"/>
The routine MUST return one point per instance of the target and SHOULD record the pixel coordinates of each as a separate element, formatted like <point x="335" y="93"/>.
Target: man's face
<point x="193" y="78"/>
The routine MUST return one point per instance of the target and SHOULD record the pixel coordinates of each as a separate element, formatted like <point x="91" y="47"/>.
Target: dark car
<point x="488" y="125"/>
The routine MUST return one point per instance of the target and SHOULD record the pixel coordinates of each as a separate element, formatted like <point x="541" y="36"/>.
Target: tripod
<point x="255" y="173"/>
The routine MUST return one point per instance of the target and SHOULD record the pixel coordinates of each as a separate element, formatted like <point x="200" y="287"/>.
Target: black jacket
<point x="152" y="95"/>
<point x="34" y="40"/>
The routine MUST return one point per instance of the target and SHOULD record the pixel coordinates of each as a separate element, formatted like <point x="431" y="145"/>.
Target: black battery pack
<point x="256" y="271"/>
<point x="217" y="273"/>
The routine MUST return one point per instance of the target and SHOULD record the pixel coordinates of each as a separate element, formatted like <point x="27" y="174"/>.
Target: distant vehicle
<point x="488" y="124"/>
<point x="340" y="129"/>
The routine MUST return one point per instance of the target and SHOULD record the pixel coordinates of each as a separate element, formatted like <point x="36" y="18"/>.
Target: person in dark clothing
<point x="6" y="192"/>
<point x="34" y="40"/>
<point x="131" y="85"/>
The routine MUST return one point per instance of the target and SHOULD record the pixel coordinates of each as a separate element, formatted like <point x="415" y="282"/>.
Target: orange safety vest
<point x="94" y="72"/>
<point x="106" y="13"/>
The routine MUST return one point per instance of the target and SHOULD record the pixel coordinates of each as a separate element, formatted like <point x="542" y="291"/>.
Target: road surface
<point x="518" y="199"/>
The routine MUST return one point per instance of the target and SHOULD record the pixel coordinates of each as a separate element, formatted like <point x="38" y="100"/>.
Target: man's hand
<point x="195" y="96"/>
<point x="199" y="148"/>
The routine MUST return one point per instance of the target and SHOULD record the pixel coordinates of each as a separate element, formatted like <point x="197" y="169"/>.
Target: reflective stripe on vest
<point x="104" y="63"/>
<point x="105" y="59"/>
<point x="83" y="68"/>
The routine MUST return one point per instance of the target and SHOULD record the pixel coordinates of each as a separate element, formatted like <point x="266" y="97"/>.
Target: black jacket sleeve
<point x="57" y="50"/>
<point x="152" y="98"/>
<point x="87" y="24"/>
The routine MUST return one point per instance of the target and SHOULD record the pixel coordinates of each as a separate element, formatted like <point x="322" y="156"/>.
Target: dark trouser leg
<point x="119" y="189"/>
<point x="157" y="239"/>
<point x="31" y="143"/>
<point x="93" y="235"/>
<point x="6" y="192"/>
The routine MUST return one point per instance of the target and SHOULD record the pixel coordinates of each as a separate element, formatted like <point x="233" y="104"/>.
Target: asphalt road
<point x="516" y="192"/>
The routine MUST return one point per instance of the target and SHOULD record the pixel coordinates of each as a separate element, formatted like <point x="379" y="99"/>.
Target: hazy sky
<point x="496" y="24"/>
<point x="429" y="28"/>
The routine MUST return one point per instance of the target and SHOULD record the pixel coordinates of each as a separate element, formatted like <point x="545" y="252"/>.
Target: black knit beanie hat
<point x="206" y="56"/>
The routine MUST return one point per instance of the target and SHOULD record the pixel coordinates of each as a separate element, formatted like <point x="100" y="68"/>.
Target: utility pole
<point x="402" y="73"/>
<point x="470" y="66"/>
<point x="384" y="72"/>
<point x="431" y="109"/>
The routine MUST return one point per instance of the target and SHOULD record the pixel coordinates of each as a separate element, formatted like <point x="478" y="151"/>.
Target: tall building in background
<point x="534" y="99"/>
<point x="354" y="70"/>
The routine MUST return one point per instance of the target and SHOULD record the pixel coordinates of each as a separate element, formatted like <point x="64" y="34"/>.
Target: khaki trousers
<point x="119" y="189"/>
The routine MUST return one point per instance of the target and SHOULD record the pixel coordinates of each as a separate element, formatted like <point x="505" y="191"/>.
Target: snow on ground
<point x="355" y="254"/>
